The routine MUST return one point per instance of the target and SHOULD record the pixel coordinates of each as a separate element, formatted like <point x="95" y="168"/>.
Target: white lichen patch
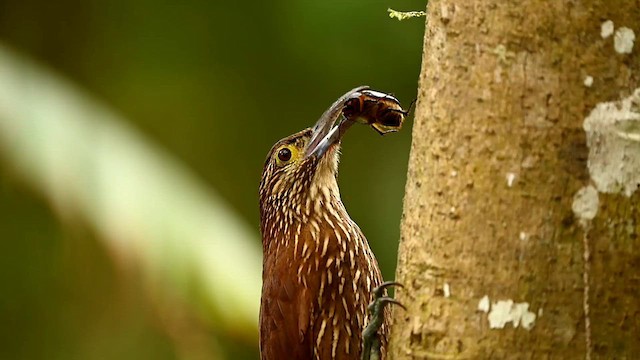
<point x="527" y="318"/>
<point x="585" y="203"/>
<point x="606" y="29"/>
<point x="588" y="81"/>
<point x="503" y="54"/>
<point x="623" y="40"/>
<point x="444" y="13"/>
<point x="613" y="139"/>
<point x="446" y="290"/>
<point x="500" y="314"/>
<point x="484" y="304"/>
<point x="511" y="177"/>
<point x="506" y="311"/>
<point x="529" y="162"/>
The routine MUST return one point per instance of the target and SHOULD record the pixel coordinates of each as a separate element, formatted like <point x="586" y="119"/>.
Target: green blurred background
<point x="209" y="86"/>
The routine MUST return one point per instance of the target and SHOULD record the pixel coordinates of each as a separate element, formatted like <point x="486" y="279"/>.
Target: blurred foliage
<point x="152" y="213"/>
<point x="214" y="84"/>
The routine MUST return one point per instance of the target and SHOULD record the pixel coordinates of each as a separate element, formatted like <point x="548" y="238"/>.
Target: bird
<point x="319" y="272"/>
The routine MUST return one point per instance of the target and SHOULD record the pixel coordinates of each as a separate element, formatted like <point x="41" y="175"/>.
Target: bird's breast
<point x="319" y="276"/>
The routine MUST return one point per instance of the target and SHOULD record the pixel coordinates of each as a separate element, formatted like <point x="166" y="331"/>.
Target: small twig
<point x="403" y="15"/>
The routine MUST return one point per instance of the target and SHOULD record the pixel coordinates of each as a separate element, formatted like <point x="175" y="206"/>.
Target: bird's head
<point x="301" y="170"/>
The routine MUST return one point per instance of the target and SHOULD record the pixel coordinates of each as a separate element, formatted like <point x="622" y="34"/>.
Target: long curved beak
<point x="326" y="132"/>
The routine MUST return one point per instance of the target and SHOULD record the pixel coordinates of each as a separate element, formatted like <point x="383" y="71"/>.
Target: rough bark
<point x="521" y="217"/>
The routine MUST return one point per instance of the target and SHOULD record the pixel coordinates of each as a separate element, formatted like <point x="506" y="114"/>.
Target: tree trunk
<point x="521" y="216"/>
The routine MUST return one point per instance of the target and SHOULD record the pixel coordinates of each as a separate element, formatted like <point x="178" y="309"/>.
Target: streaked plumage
<point x="318" y="271"/>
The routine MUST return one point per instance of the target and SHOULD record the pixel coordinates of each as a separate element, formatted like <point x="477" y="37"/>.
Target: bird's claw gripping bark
<point x="370" y="339"/>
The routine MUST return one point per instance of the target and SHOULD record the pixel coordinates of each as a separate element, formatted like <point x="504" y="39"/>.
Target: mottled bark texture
<point x="522" y="214"/>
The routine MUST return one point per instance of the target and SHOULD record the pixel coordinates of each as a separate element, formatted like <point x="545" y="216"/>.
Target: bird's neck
<point x="284" y="213"/>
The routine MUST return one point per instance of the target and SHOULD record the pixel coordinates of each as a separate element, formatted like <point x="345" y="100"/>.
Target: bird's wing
<point x="284" y="318"/>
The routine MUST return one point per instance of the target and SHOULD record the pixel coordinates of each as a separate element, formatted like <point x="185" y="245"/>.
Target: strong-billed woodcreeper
<point x="319" y="273"/>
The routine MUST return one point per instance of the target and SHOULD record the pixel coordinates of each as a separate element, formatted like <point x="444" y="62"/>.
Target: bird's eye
<point x="287" y="154"/>
<point x="284" y="155"/>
